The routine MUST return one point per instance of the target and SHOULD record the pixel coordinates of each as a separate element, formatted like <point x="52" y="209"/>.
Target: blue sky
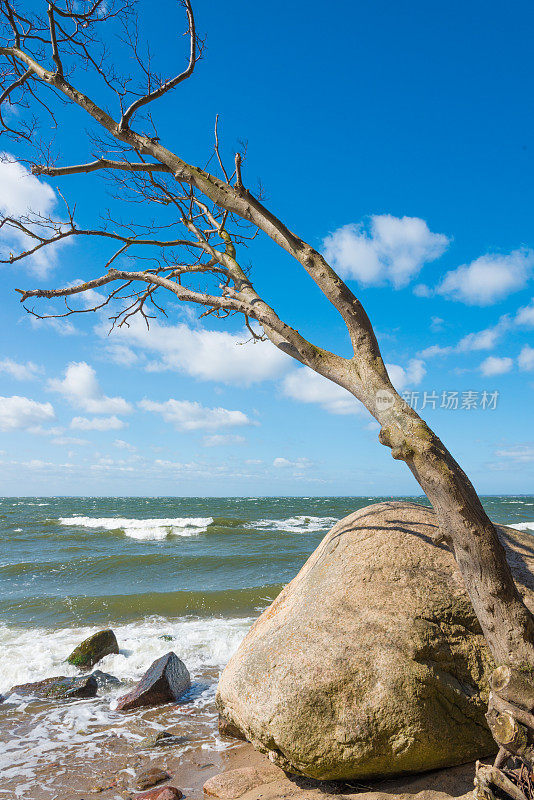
<point x="398" y="139"/>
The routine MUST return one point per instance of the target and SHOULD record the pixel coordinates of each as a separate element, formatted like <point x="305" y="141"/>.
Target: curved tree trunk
<point x="506" y="622"/>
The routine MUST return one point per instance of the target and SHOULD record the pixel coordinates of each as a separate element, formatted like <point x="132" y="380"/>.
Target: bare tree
<point x="43" y="56"/>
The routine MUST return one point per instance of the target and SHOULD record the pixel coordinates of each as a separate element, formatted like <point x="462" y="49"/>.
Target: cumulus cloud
<point x="411" y="375"/>
<point x="525" y="316"/>
<point x="23" y="192"/>
<point x="520" y="453"/>
<point x="526" y="359"/>
<point x="386" y="250"/>
<point x="284" y="463"/>
<point x="21" y="372"/>
<point x="192" y="416"/>
<point x="221" y="439"/>
<point x="485" y="339"/>
<point x="204" y="354"/>
<point x="112" y="423"/>
<point x="20" y="412"/>
<point x="489" y="278"/>
<point x="496" y="366"/>
<point x="81" y="388"/>
<point x="307" y="386"/>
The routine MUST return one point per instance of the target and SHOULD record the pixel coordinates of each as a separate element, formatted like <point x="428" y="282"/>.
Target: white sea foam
<point x="62" y="733"/>
<point x="298" y="524"/>
<point x="144" y="528"/>
<point x="523" y="526"/>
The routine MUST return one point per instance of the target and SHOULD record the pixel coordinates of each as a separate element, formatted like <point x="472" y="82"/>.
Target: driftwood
<point x="511" y="722"/>
<point x="488" y="779"/>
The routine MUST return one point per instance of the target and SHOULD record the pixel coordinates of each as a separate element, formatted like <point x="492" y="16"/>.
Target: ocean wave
<point x="74" y="733"/>
<point x="298" y="524"/>
<point x="153" y="529"/>
<point x="523" y="526"/>
<point x="38" y="610"/>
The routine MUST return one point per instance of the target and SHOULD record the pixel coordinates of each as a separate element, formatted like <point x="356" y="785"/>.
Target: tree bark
<point x="506" y="622"/>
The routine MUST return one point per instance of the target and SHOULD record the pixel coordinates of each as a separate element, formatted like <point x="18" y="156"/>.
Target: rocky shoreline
<point x="369" y="666"/>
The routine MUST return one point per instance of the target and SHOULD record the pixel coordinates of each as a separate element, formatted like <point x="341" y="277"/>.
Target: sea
<point x="183" y="574"/>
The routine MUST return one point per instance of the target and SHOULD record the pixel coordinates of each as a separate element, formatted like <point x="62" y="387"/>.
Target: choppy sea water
<point x="187" y="574"/>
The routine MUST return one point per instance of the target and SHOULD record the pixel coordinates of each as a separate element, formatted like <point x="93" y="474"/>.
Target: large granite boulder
<point x="371" y="662"/>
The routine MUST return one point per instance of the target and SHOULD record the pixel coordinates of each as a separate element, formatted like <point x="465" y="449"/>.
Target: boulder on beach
<point x="93" y="649"/>
<point x="59" y="688"/>
<point x="227" y="728"/>
<point x="371" y="662"/>
<point x="165" y="681"/>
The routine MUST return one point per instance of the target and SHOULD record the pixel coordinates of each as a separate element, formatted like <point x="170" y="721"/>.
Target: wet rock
<point x="104" y="679"/>
<point x="165" y="681"/>
<point x="162" y="793"/>
<point x="161" y="739"/>
<point x="60" y="688"/>
<point x="150" y="777"/>
<point x="94" y="648"/>
<point x="227" y="728"/>
<point x="166" y="637"/>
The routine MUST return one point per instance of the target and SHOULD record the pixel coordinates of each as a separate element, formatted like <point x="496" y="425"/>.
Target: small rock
<point x="163" y="793"/>
<point x="166" y="637"/>
<point x="227" y="728"/>
<point x="60" y="688"/>
<point x="104" y="679"/>
<point x="164" y="681"/>
<point x="161" y="739"/>
<point x="103" y="787"/>
<point x="235" y="782"/>
<point x="150" y="777"/>
<point x="93" y="649"/>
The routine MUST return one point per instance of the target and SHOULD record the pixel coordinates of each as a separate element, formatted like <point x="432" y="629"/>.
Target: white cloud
<point x="525" y="316"/>
<point x="436" y="350"/>
<point x="486" y="339"/>
<point x="489" y="278"/>
<point x="411" y="375"/>
<point x="97" y="423"/>
<point x="81" y="388"/>
<point x="299" y="463"/>
<point x="520" y="453"/>
<point x="526" y="359"/>
<point x="122" y="445"/>
<point x="205" y="354"/>
<point x="23" y="192"/>
<point x="307" y="386"/>
<point x="221" y="439"/>
<point x="62" y="326"/>
<point x="496" y="366"/>
<point x="191" y="416"/>
<point x="21" y="412"/>
<point x="390" y="250"/>
<point x="422" y="290"/>
<point x="21" y="372"/>
<point x="70" y="441"/>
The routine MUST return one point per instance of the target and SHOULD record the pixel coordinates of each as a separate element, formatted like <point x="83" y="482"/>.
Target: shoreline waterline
<point x="183" y="574"/>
